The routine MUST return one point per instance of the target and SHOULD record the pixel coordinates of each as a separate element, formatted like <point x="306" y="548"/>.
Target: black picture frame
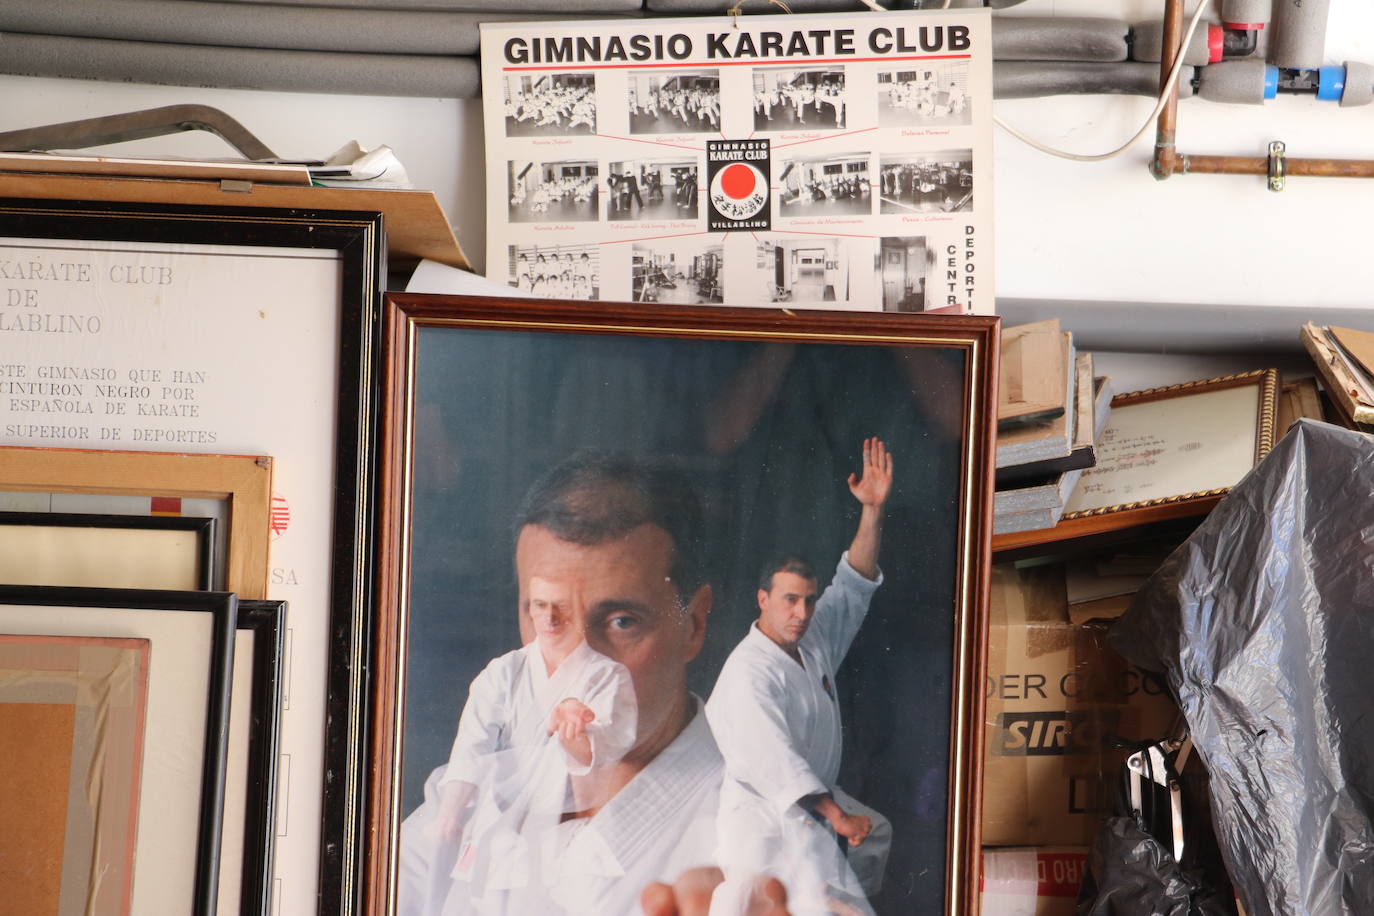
<point x="267" y="621"/>
<point x="358" y="238"/>
<point x="222" y="607"/>
<point x="204" y="530"/>
<point x="473" y="392"/>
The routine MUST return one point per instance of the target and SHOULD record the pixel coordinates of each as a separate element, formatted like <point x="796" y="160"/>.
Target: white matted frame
<point x="107" y="551"/>
<point x="180" y="799"/>
<point x="224" y="330"/>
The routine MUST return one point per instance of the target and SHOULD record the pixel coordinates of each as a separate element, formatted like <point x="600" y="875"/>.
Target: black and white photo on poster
<point x="683" y="271"/>
<point x="903" y="265"/>
<point x="816" y="184"/>
<point x="550" y="192"/>
<point x="556" y="271"/>
<point x="550" y="104"/>
<point x="933" y="182"/>
<point x="929" y="94"/>
<point x="799" y="99"/>
<point x="802" y="268"/>
<point x="661" y="188"/>
<point x="674" y="101"/>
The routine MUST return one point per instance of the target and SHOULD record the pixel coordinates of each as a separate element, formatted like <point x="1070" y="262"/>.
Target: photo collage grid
<point x="872" y="176"/>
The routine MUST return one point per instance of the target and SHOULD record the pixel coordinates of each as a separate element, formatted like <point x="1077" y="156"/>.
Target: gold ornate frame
<point x="1121" y="516"/>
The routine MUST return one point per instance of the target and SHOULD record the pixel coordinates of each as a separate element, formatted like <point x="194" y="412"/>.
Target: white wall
<point x="439" y="141"/>
<point x="1085" y="231"/>
<point x="1109" y="231"/>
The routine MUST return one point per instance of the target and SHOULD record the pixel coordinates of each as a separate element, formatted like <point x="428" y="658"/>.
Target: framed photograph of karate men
<point x="678" y="597"/>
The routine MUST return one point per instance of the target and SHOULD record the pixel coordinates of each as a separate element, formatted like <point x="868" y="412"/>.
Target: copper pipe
<point x="1258" y="165"/>
<point x="1168" y="161"/>
<point x="1166" y="135"/>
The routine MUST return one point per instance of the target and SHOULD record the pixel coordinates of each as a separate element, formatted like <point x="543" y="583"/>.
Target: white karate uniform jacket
<point x="778" y="727"/>
<point x="657" y="826"/>
<point x="509" y="705"/>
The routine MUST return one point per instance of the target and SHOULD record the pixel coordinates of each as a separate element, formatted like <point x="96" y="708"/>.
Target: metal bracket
<point x="1278" y="165"/>
<point x="1161" y="763"/>
<point x="138" y="125"/>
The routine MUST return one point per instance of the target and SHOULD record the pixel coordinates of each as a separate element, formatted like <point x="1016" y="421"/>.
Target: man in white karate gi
<point x="624" y="543"/>
<point x="776" y="718"/>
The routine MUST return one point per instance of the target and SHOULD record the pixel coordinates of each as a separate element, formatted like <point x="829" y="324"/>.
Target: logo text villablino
<point x="737" y="176"/>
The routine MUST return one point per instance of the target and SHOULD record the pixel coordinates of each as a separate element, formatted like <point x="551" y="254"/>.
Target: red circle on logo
<point x="737" y="181"/>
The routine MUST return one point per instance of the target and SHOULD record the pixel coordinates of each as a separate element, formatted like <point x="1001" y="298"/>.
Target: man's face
<point x="619" y="597"/>
<point x="550" y="614"/>
<point x="785" y="610"/>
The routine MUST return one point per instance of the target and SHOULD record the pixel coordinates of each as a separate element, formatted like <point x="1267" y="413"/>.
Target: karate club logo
<point x="739" y="190"/>
<point x="738" y="193"/>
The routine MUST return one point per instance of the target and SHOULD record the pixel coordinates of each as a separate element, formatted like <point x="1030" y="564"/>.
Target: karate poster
<point x="823" y="161"/>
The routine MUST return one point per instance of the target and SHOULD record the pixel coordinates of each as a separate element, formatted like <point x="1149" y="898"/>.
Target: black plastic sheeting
<point x="1131" y="874"/>
<point x="1263" y="622"/>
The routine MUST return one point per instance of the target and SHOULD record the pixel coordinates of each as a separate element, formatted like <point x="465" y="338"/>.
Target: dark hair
<point x="784" y="562"/>
<point x="595" y="496"/>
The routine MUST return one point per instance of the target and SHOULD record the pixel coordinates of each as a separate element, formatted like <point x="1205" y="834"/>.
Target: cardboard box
<point x="1032" y="881"/>
<point x="1057" y="698"/>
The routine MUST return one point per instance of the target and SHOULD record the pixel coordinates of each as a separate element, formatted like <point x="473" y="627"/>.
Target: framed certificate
<point x="216" y="329"/>
<point x="1168" y="453"/>
<point x="734" y="432"/>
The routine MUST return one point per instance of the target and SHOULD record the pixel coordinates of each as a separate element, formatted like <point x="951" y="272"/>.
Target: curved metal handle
<point x="138" y="125"/>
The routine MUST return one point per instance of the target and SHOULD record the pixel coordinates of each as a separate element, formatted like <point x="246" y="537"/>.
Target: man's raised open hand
<point x="872" y="488"/>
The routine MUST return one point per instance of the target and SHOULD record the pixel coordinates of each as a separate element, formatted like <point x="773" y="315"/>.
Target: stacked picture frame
<point x="210" y="363"/>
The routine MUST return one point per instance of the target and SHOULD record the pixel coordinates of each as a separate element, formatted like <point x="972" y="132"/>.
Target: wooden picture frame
<point x="250" y="329"/>
<point x="244" y="480"/>
<point x="107" y="551"/>
<point x="483" y="396"/>
<point x="182" y="782"/>
<point x="1139" y="483"/>
<point x="250" y="793"/>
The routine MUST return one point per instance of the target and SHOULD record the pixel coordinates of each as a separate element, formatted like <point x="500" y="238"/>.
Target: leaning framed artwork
<point x="577" y="503"/>
<point x="162" y="712"/>
<point x="248" y="842"/>
<point x="57" y="694"/>
<point x="243" y="481"/>
<point x="107" y="551"/>
<point x="220" y="329"/>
